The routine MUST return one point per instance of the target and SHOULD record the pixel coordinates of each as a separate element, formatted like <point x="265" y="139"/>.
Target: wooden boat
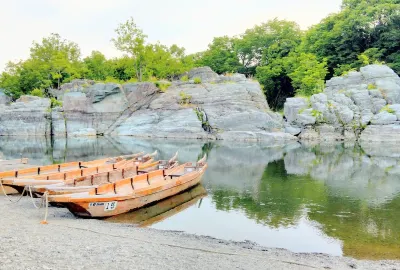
<point x="85" y="183"/>
<point x="132" y="193"/>
<point x="52" y="174"/>
<point x="154" y="213"/>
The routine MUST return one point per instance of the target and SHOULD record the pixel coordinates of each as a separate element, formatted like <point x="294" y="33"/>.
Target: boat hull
<point x="106" y="209"/>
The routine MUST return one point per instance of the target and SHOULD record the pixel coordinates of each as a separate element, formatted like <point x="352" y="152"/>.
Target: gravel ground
<point x="71" y="243"/>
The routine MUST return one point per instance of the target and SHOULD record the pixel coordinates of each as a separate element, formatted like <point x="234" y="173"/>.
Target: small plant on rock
<point x="37" y="92"/>
<point x="318" y="115"/>
<point x="185" y="78"/>
<point x="163" y="86"/>
<point x="185" y="98"/>
<point x="372" y="86"/>
<point x="55" y="103"/>
<point x="197" y="80"/>
<point x="387" y="109"/>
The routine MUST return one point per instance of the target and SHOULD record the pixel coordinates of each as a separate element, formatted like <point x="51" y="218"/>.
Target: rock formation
<point x="362" y="105"/>
<point x="28" y="116"/>
<point x="219" y="107"/>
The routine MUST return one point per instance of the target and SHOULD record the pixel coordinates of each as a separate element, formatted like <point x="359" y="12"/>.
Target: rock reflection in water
<point x="336" y="198"/>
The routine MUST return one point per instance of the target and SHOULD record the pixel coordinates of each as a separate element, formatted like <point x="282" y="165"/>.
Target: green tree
<point x="361" y="26"/>
<point x="221" y="56"/>
<point x="10" y="80"/>
<point x="131" y="40"/>
<point x="97" y="67"/>
<point x="297" y="73"/>
<point x="57" y="58"/>
<point x="263" y="43"/>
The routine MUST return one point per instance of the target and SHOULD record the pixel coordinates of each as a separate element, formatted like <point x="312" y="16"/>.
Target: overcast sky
<point x="191" y="24"/>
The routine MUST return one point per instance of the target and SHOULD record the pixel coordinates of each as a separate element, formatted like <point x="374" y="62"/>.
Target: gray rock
<point x="309" y="134"/>
<point x="28" y="116"/>
<point x="227" y="110"/>
<point x="4" y="99"/>
<point x="306" y="118"/>
<point x="293" y="130"/>
<point x="372" y="72"/>
<point x="396" y="109"/>
<point x="384" y="118"/>
<point x="361" y="98"/>
<point x="385" y="133"/>
<point x="100" y="91"/>
<point x="366" y="117"/>
<point x="344" y="114"/>
<point x="162" y="124"/>
<point x="378" y="104"/>
<point x="58" y="124"/>
<point x="293" y="106"/>
<point x="390" y="89"/>
<point x="349" y="103"/>
<point x="204" y="73"/>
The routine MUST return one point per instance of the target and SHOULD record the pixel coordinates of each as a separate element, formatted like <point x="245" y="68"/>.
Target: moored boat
<point x="18" y="179"/>
<point x="132" y="193"/>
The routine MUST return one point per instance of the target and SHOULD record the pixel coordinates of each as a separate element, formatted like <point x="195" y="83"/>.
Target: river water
<point x="339" y="199"/>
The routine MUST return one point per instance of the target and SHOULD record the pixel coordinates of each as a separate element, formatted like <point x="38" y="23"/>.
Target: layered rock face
<point x="362" y="105"/>
<point x="220" y="107"/>
<point x="28" y="116"/>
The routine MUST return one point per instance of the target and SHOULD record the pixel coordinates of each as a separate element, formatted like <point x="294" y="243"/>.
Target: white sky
<point x="187" y="23"/>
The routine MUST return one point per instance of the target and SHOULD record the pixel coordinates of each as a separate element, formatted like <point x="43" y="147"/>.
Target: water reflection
<point x="337" y="198"/>
<point x="151" y="215"/>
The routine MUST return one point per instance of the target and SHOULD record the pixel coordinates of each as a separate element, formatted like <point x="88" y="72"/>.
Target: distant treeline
<point x="286" y="60"/>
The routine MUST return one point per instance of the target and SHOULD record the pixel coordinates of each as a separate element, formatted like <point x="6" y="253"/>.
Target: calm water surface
<point x="337" y="199"/>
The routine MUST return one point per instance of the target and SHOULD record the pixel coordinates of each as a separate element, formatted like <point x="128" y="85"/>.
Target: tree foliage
<point x="365" y="31"/>
<point x="221" y="55"/>
<point x="54" y="61"/>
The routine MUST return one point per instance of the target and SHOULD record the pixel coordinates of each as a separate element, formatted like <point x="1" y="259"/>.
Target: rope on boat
<point x="46" y="212"/>
<point x="44" y="203"/>
<point x="9" y="197"/>
<point x="33" y="201"/>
